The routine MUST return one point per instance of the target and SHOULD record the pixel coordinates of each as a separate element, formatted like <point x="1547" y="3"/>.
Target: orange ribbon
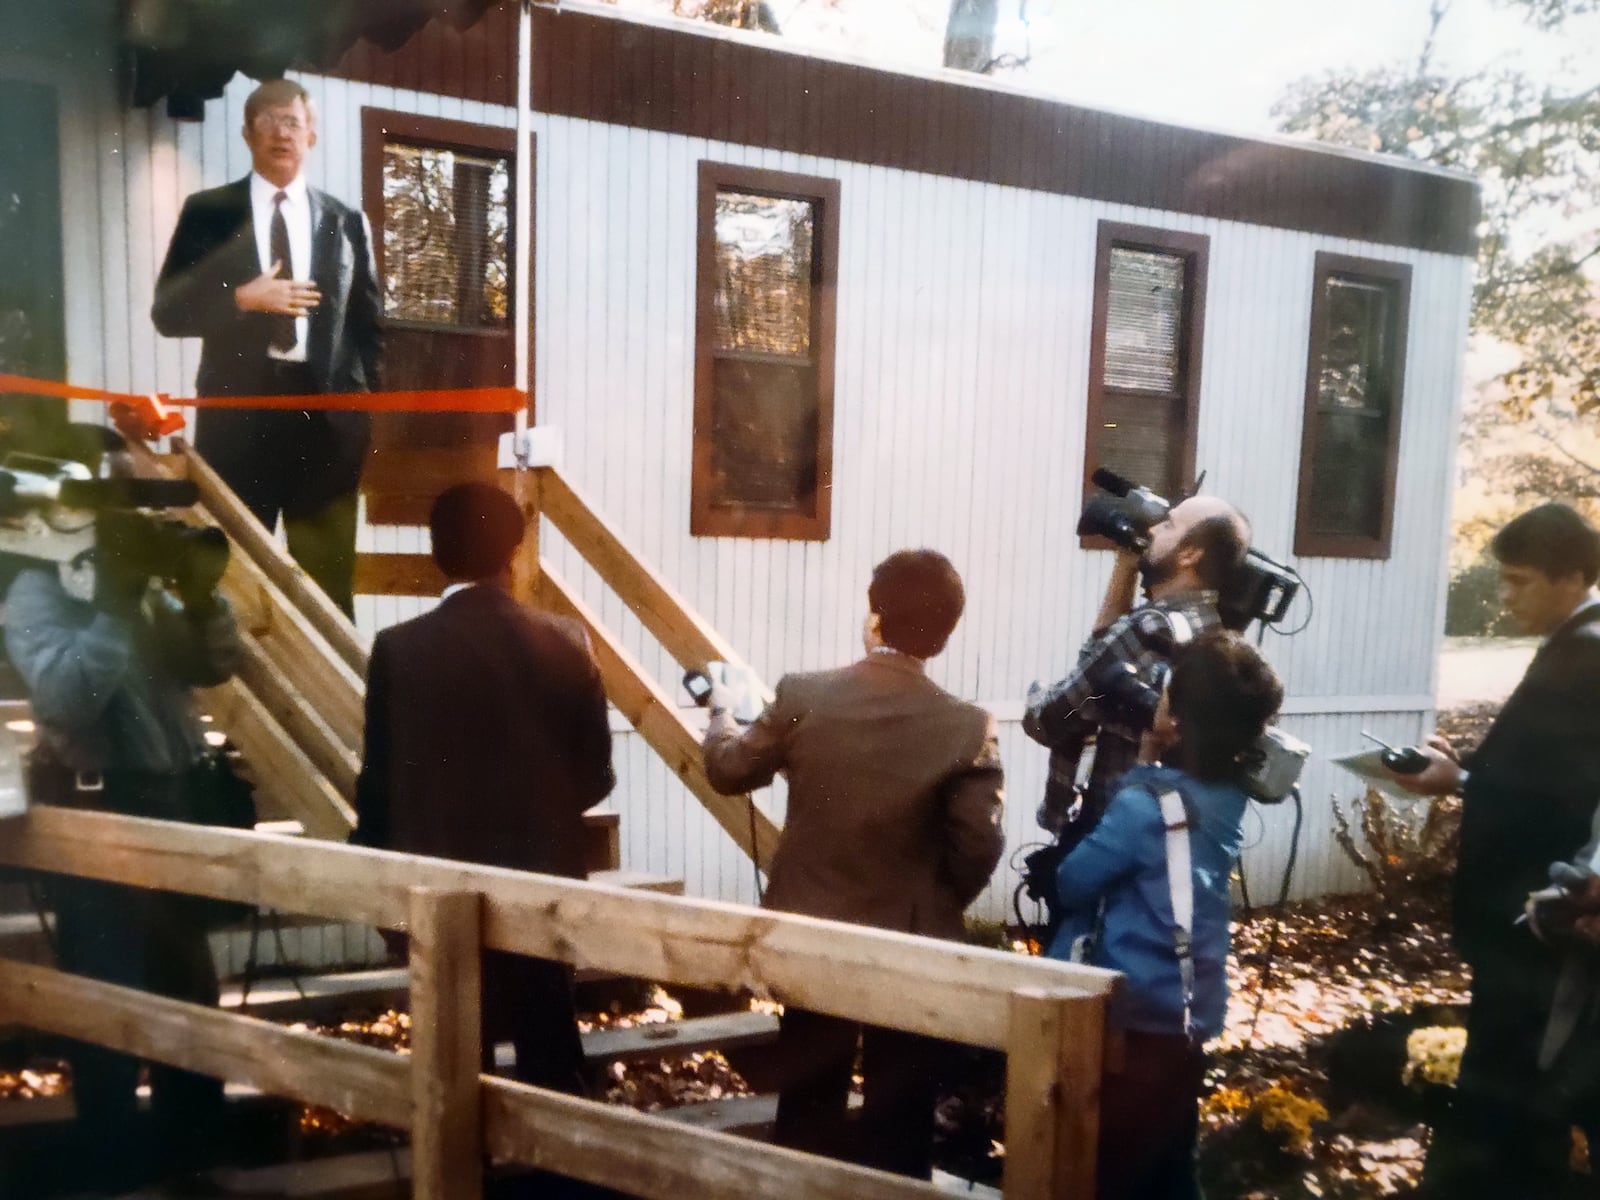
<point x="151" y="416"/>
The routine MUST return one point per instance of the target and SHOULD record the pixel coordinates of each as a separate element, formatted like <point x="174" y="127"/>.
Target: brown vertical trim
<point x="663" y="97"/>
<point x="1308" y="543"/>
<point x="1195" y="249"/>
<point x="815" y="99"/>
<point x="549" y="64"/>
<point x="707" y="519"/>
<point x="428" y="61"/>
<point x="783" y="113"/>
<point x="475" y="67"/>
<point x="373" y="121"/>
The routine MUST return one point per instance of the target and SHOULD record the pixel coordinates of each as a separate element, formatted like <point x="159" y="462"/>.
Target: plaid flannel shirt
<point x="1066" y="716"/>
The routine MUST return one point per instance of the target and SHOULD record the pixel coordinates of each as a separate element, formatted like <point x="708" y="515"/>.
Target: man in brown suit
<point x="486" y="740"/>
<point x="895" y="792"/>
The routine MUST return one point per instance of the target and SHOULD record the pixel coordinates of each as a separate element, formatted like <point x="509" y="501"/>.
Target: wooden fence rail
<point x="1047" y="1016"/>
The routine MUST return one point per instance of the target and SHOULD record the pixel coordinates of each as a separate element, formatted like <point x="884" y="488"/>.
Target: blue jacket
<point x="1124" y="862"/>
<point x="111" y="693"/>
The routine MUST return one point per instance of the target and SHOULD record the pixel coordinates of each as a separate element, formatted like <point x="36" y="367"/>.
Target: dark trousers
<point x="1502" y="1135"/>
<point x="901" y="1073"/>
<point x="302" y="465"/>
<point x="156" y="942"/>
<point x="322" y="542"/>
<point x="528" y="1002"/>
<point x="1150" y="1119"/>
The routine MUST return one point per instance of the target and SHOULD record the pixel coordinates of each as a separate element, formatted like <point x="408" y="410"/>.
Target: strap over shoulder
<point x="1180" y="886"/>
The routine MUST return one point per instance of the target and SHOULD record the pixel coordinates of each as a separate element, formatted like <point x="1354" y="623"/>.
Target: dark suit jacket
<point x="486" y="737"/>
<point x="895" y="793"/>
<point x="1532" y="790"/>
<point x="213" y="251"/>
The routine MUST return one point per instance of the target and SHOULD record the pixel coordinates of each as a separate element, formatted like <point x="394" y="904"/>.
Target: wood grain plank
<point x="1053" y="1066"/>
<point x="660" y="1160"/>
<point x="650" y="711"/>
<point x="284" y="773"/>
<point x="943" y="989"/>
<point x="361" y="1082"/>
<point x="446" y="996"/>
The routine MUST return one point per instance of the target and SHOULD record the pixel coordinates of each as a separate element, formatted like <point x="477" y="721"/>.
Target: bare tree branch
<point x="1548" y="438"/>
<point x="1436" y="14"/>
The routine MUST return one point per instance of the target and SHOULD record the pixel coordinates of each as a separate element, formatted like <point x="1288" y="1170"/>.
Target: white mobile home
<point x="792" y="313"/>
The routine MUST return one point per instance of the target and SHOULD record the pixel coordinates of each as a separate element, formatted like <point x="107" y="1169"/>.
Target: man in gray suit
<point x="278" y="281"/>
<point x="895" y="794"/>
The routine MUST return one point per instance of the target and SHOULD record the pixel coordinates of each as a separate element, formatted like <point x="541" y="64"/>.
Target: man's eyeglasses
<point x="266" y="123"/>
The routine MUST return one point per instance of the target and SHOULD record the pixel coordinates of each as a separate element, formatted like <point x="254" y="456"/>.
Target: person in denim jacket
<point x="1119" y="910"/>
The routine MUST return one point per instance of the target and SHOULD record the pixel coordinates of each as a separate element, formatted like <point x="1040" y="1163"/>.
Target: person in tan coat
<point x="895" y="795"/>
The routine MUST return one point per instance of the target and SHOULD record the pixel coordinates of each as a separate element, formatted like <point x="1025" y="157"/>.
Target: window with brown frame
<point x="439" y="194"/>
<point x="446" y="233"/>
<point x="1350" y="443"/>
<point x="1144" y="357"/>
<point x="764" y="327"/>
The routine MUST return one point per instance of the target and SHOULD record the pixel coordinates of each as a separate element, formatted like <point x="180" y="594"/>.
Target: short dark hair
<point x="1223" y="541"/>
<point x="918" y="597"/>
<point x="1222" y="694"/>
<point x="1551" y="538"/>
<point x="476" y="528"/>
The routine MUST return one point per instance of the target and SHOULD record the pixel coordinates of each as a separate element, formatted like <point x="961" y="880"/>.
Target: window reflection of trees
<point x="763" y="274"/>
<point x="1355" y="370"/>
<point x="445" y="236"/>
<point x="1353" y="394"/>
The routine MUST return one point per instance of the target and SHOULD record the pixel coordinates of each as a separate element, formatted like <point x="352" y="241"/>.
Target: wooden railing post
<point x="1054" y="1056"/>
<point x="447" y="1111"/>
<point x="524" y="488"/>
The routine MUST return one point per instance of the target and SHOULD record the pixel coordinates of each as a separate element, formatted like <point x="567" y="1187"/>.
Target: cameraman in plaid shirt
<point x="1191" y="554"/>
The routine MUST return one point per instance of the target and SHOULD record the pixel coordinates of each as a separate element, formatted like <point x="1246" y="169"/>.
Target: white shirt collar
<point x="1588" y="602"/>
<point x="452" y="589"/>
<point x="262" y="190"/>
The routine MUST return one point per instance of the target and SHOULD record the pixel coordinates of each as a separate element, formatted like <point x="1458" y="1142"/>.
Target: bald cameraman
<point x="1192" y="552"/>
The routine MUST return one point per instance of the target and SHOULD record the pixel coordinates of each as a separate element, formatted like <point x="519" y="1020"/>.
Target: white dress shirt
<point x="297" y="216"/>
<point x="1588" y="602"/>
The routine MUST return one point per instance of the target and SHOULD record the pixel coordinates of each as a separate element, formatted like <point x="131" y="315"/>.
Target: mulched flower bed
<point x="1306" y="1097"/>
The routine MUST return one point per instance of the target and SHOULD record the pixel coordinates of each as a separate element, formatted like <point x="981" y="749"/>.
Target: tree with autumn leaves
<point x="1535" y="148"/>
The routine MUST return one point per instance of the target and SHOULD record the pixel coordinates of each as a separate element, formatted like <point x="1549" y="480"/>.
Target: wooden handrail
<point x="943" y="989"/>
<point x="1048" y="1016"/>
<point x="652" y="713"/>
<point x="691" y="640"/>
<point x="240" y="524"/>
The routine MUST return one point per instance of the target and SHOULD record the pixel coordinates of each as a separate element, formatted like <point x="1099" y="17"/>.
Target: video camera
<point x="56" y="511"/>
<point x="1270" y="769"/>
<point x="1260" y="590"/>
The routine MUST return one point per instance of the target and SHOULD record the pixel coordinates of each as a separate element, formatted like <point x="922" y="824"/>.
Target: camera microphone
<point x="1108" y="480"/>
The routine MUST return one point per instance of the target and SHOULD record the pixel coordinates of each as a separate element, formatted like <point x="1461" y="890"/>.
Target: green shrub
<point x="1472" y="605"/>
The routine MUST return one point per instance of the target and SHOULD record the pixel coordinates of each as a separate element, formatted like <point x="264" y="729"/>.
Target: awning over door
<point x="187" y="50"/>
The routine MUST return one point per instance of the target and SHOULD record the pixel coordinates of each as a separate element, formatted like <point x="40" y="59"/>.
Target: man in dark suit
<point x="486" y="740"/>
<point x="278" y="281"/>
<point x="895" y="793"/>
<point x="1528" y="794"/>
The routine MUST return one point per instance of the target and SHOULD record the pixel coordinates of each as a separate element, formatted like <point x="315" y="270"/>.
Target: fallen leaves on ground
<point x="648" y="1085"/>
<point x="33" y="1083"/>
<point x="1306" y="987"/>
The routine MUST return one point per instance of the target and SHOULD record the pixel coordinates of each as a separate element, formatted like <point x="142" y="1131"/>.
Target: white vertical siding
<point x="959" y="406"/>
